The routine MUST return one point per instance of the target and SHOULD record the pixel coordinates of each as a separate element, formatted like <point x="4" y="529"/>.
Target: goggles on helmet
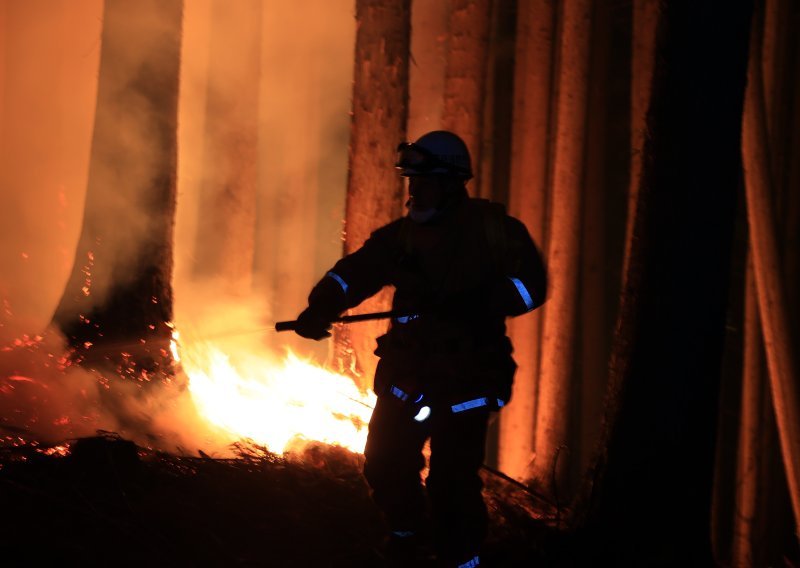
<point x="414" y="159"/>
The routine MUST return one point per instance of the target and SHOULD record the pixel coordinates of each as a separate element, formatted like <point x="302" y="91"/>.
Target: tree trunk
<point x="426" y="74"/>
<point x="651" y="495"/>
<point x="465" y="78"/>
<point x="563" y="256"/>
<point x="747" y="532"/>
<point x="498" y="105"/>
<point x="777" y="87"/>
<point x="374" y="189"/>
<point x="771" y="296"/>
<point x="645" y="21"/>
<point x="792" y="182"/>
<point x="530" y="154"/>
<point x="226" y="236"/>
<point x="594" y="332"/>
<point x="119" y="296"/>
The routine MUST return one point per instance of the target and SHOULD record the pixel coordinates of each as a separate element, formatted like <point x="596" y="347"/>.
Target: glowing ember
<point x="87" y="271"/>
<point x="276" y="404"/>
<point x="60" y="451"/>
<point x="19" y="379"/>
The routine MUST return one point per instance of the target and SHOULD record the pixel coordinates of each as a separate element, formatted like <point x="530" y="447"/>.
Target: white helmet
<point x="438" y="152"/>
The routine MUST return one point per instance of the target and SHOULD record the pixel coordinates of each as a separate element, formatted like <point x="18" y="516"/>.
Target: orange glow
<point x="60" y="451"/>
<point x="277" y="404"/>
<point x="174" y="342"/>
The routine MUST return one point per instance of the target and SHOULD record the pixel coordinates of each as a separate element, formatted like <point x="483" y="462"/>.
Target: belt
<point x="480" y="402"/>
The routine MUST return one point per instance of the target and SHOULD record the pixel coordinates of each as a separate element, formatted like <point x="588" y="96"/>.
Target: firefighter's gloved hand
<point x="312" y="325"/>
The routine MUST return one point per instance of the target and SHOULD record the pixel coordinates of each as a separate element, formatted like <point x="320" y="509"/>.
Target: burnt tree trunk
<point x="226" y="234"/>
<point x="530" y="156"/>
<point x="650" y="498"/>
<point x="559" y="333"/>
<point x="465" y="78"/>
<point x="374" y="189"/>
<point x="119" y="297"/>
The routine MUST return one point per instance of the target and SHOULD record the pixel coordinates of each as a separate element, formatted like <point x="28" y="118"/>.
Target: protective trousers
<point x="394" y="461"/>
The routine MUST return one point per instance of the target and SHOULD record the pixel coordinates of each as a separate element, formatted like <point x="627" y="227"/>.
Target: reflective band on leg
<point x="474" y="403"/>
<point x="471" y="563"/>
<point x="423" y="414"/>
<point x="523" y="292"/>
<point x="500" y="403"/>
<point x="403" y="534"/>
<point x="340" y="280"/>
<point x="406" y="319"/>
<point x="401" y="394"/>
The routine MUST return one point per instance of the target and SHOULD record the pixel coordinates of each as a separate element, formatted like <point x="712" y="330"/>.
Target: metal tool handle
<point x="291" y="325"/>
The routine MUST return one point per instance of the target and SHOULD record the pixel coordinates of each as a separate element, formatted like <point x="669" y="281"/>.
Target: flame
<point x="59" y="451"/>
<point x="174" y="346"/>
<point x="277" y="404"/>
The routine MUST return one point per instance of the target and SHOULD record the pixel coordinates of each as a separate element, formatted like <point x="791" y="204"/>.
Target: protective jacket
<point x="456" y="279"/>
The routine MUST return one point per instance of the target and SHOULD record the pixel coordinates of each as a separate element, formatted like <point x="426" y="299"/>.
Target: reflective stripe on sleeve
<point x="523" y="292"/>
<point x="474" y="403"/>
<point x="399" y="393"/>
<point x="340" y="280"/>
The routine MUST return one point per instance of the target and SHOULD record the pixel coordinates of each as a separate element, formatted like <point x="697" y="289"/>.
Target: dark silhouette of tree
<point x="649" y="500"/>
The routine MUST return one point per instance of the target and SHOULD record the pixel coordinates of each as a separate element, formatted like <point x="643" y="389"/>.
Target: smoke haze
<point x="49" y="58"/>
<point x="49" y="66"/>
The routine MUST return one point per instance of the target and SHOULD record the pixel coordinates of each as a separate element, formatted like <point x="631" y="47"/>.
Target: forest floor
<point x="108" y="502"/>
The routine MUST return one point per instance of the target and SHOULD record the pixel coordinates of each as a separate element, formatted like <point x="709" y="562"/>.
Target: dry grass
<point x="111" y="503"/>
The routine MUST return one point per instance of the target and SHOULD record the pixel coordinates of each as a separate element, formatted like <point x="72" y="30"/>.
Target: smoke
<point x="303" y="88"/>
<point x="49" y="67"/>
<point x="45" y="399"/>
<point x="49" y="57"/>
<point x="130" y="195"/>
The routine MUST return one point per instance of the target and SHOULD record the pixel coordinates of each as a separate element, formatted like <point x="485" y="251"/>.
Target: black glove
<point x="312" y="325"/>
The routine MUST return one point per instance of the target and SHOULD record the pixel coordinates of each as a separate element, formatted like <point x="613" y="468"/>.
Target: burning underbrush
<point x="230" y="455"/>
<point x="202" y="398"/>
<point x="106" y="501"/>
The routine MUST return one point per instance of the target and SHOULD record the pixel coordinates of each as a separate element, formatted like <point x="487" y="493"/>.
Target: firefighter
<point x="459" y="266"/>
